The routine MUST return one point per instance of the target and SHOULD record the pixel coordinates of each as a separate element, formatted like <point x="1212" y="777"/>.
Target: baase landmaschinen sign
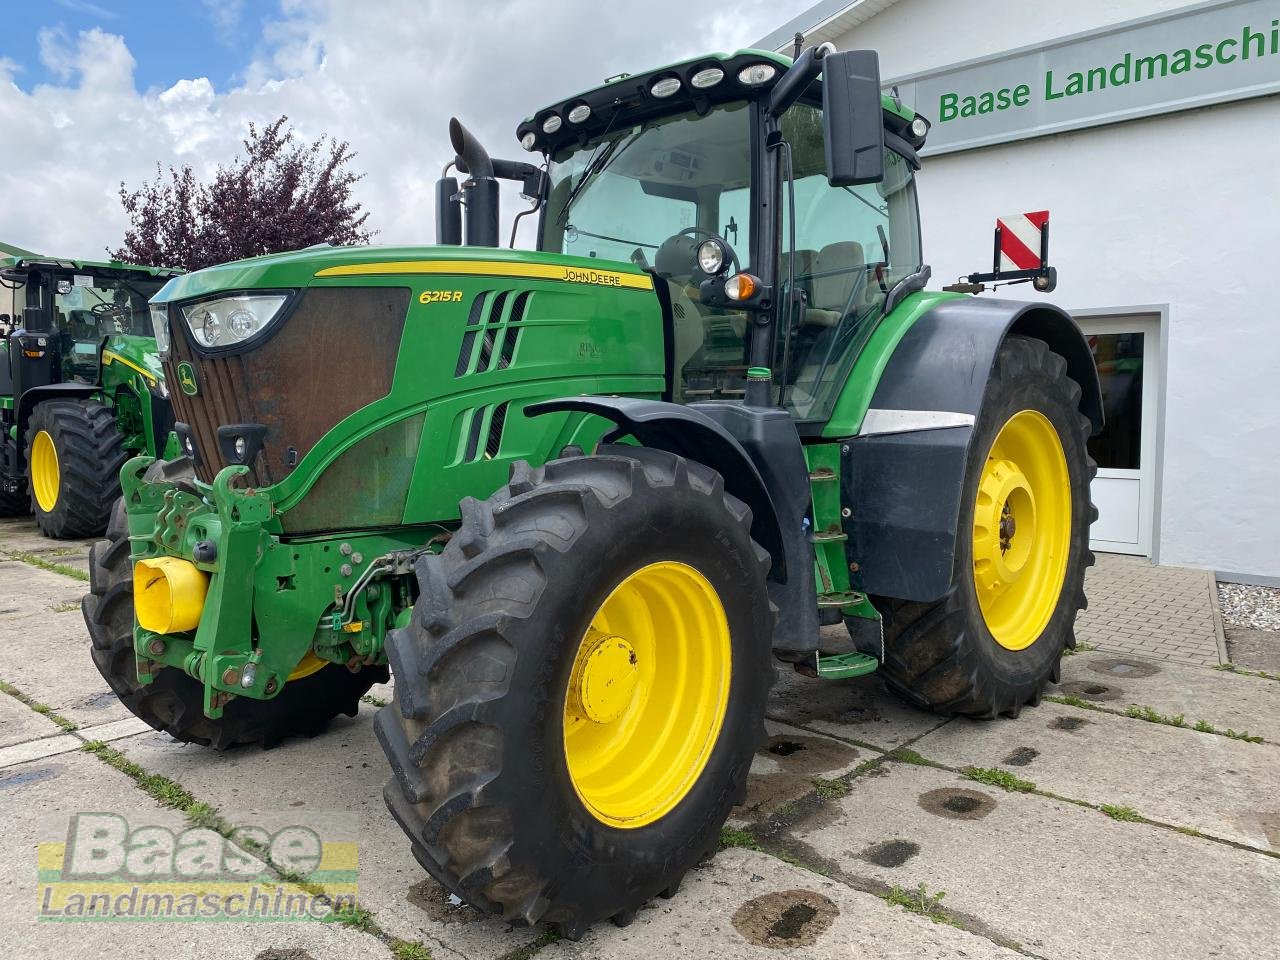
<point x="1201" y="55"/>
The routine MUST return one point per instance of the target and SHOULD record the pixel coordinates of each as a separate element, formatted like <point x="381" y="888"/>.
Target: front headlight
<point x="230" y="320"/>
<point x="160" y="326"/>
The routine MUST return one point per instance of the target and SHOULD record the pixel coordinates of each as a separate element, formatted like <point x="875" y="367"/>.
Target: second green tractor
<point x="583" y="500"/>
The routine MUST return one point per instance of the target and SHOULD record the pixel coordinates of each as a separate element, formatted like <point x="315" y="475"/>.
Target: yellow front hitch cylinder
<point x="168" y="594"/>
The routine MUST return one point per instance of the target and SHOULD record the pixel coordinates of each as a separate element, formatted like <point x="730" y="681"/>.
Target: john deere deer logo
<point x="187" y="379"/>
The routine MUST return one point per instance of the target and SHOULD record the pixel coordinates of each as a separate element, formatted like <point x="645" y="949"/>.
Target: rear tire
<point x="483" y="781"/>
<point x="72" y="496"/>
<point x="174" y="702"/>
<point x="943" y="656"/>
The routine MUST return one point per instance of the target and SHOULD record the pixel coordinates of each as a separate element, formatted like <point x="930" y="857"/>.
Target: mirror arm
<point x="798" y="76"/>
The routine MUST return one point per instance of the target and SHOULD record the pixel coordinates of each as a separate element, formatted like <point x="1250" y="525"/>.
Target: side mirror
<point x="853" y="125"/>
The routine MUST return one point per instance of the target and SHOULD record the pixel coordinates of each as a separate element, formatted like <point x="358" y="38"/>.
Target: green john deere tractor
<point x="583" y="499"/>
<point x="81" y="387"/>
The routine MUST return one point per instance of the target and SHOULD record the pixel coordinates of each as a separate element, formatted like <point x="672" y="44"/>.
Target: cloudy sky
<point x="93" y="93"/>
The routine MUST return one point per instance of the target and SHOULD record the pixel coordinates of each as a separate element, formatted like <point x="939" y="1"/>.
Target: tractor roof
<point x="15" y="258"/>
<point x="630" y="94"/>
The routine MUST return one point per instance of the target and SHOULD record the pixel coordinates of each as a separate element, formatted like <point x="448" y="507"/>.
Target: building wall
<point x="1180" y="210"/>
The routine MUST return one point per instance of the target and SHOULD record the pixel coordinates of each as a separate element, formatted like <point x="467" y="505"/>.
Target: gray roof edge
<point x="820" y="13"/>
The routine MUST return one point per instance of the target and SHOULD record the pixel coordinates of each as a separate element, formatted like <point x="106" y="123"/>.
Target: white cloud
<point x="387" y="80"/>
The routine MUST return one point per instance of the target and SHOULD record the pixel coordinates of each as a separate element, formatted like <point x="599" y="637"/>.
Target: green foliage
<point x="920" y="901"/>
<point x="1232" y="668"/>
<point x="1126" y="814"/>
<point x="733" y="837"/>
<point x="353" y="915"/>
<point x="999" y="778"/>
<point x="1154" y="716"/>
<point x="409" y="950"/>
<point x="38" y="561"/>
<point x="1071" y="700"/>
<point x="830" y="789"/>
<point x="907" y="755"/>
<point x="40" y="708"/>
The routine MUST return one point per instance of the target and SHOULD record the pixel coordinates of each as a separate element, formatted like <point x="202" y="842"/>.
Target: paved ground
<point x="871" y="830"/>
<point x="1166" y="613"/>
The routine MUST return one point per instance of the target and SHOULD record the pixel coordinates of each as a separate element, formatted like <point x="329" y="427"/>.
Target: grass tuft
<point x="1125" y="814"/>
<point x="43" y="709"/>
<point x="409" y="950"/>
<point x="830" y="789"/>
<point x="374" y="701"/>
<point x="734" y="837"/>
<point x="353" y="915"/>
<point x="995" y="777"/>
<point x="35" y="560"/>
<point x="907" y="755"/>
<point x="920" y="901"/>
<point x="1154" y="716"/>
<point x="1071" y="700"/>
<point x="1232" y="668"/>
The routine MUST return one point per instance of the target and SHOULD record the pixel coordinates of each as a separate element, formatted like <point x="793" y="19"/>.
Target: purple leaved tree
<point x="280" y="195"/>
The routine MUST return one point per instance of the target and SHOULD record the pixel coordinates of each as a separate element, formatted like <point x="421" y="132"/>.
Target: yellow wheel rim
<point x="307" y="666"/>
<point x="46" y="476"/>
<point x="647" y="695"/>
<point x="1022" y="530"/>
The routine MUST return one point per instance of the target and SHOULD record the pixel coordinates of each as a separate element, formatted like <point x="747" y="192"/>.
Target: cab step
<point x="842" y="666"/>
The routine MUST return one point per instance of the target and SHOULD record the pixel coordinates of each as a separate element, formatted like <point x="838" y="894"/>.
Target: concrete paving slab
<point x="861" y="709"/>
<point x="21" y="753"/>
<point x="39" y="799"/>
<point x="22" y="534"/>
<point x="786" y="766"/>
<point x="116" y="730"/>
<point x="1063" y="881"/>
<point x="20" y="724"/>
<point x="46" y="648"/>
<point x="1225" y="788"/>
<point x="748" y="905"/>
<point x="1226" y="700"/>
<point x="333" y="784"/>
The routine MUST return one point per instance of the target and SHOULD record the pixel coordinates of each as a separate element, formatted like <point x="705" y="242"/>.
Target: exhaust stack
<point x="479" y="192"/>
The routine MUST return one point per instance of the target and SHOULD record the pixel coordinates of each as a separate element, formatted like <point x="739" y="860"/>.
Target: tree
<point x="281" y="195"/>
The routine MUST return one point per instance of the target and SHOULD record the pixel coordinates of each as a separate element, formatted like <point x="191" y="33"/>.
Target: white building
<point x="1160" y="166"/>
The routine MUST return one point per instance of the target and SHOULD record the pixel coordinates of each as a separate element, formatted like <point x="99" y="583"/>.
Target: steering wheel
<point x="712" y="235"/>
<point x="114" y="313"/>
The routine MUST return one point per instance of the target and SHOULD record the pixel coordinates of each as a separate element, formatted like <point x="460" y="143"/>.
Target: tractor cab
<point x="74" y="332"/>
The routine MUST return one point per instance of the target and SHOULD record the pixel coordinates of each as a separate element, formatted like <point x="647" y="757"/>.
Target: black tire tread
<point x="454" y="813"/>
<point x="90" y="454"/>
<point x="929" y="658"/>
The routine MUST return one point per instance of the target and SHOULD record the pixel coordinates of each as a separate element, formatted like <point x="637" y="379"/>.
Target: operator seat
<point x="837" y="270"/>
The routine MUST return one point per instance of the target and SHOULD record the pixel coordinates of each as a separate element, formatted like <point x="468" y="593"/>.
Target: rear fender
<point x="904" y="471"/>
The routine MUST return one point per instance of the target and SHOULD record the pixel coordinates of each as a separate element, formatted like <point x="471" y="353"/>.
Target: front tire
<point x="582" y="687"/>
<point x="173" y="701"/>
<point x="996" y="638"/>
<point x="74" y="455"/>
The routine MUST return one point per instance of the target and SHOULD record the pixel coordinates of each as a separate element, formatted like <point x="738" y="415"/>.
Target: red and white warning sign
<point x="1020" y="240"/>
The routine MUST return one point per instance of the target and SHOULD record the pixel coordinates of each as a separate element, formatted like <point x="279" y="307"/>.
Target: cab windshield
<point x="88" y="308"/>
<point x="650" y="194"/>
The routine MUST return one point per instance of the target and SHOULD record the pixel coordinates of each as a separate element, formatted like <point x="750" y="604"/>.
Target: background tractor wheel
<point x="1022" y="546"/>
<point x="173" y="701"/>
<point x="74" y="455"/>
<point x="582" y="687"/>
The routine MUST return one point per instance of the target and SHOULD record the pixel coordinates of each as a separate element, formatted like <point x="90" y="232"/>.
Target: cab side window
<point x="851" y="245"/>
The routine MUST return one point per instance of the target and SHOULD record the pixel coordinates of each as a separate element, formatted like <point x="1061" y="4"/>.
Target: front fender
<point x="758" y="453"/>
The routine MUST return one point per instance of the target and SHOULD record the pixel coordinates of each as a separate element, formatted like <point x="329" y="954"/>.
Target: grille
<point x="493" y="331"/>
